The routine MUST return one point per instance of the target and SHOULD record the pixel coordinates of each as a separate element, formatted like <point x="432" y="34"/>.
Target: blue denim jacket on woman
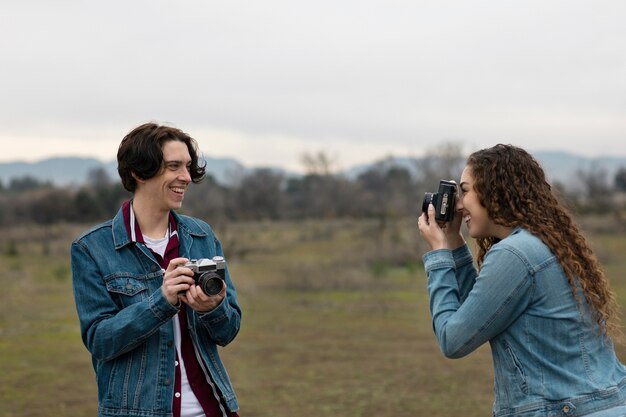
<point x="549" y="357"/>
<point x="126" y="321"/>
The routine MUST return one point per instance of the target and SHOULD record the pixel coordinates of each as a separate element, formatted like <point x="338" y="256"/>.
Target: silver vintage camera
<point x="209" y="274"/>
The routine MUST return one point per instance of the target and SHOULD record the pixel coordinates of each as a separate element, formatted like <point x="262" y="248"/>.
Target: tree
<point x="49" y="206"/>
<point x="387" y="189"/>
<point x="319" y="163"/>
<point x="620" y="179"/>
<point x="210" y="200"/>
<point x="596" y="188"/>
<point x="320" y="193"/>
<point x="27" y="183"/>
<point x="260" y="195"/>
<point x="98" y="177"/>
<point x="86" y="206"/>
<point x="446" y="161"/>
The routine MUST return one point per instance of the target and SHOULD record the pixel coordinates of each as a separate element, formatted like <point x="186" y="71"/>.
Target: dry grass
<point x="335" y="322"/>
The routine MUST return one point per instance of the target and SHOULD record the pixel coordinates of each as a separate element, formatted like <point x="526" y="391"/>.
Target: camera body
<point x="443" y="200"/>
<point x="208" y="274"/>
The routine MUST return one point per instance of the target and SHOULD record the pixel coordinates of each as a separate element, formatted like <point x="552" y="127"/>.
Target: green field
<point x="335" y="323"/>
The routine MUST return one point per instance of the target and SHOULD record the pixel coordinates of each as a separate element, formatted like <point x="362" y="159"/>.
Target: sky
<point x="265" y="82"/>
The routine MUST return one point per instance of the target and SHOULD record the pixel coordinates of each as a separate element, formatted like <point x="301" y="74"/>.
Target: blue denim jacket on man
<point x="126" y="321"/>
<point x="548" y="354"/>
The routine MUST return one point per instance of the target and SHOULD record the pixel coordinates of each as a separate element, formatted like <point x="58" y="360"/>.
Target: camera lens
<point x="428" y="198"/>
<point x="211" y="283"/>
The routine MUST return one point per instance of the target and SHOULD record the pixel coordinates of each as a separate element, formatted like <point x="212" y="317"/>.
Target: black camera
<point x="209" y="274"/>
<point x="443" y="200"/>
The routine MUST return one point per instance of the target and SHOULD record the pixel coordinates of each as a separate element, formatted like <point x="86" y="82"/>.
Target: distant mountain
<point x="409" y="164"/>
<point x="561" y="167"/>
<point x="64" y="171"/>
<point x="564" y="168"/>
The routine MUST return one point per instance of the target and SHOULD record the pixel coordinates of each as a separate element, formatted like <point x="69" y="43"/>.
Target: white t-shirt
<point x="189" y="404"/>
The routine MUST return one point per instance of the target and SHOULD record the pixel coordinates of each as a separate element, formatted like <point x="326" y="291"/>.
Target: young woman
<point x="539" y="296"/>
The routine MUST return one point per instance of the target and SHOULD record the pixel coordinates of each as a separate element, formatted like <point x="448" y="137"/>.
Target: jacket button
<point x="167" y="381"/>
<point x="566" y="408"/>
<point x="170" y="343"/>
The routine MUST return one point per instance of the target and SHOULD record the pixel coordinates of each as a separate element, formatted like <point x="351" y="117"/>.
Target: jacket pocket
<point x="519" y="370"/>
<point x="127" y="289"/>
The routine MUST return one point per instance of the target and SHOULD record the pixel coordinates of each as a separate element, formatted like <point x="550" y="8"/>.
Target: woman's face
<point x="475" y="216"/>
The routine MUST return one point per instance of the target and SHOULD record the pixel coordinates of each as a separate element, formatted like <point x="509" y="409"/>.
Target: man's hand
<point x="199" y="301"/>
<point x="176" y="279"/>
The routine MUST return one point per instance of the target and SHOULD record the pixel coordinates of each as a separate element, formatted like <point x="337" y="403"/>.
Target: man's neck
<point x="152" y="222"/>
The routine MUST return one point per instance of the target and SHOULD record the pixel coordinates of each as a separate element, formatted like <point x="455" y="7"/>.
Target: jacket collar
<point x="186" y="225"/>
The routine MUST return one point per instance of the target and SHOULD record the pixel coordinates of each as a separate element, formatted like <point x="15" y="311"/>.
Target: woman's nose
<point x="458" y="205"/>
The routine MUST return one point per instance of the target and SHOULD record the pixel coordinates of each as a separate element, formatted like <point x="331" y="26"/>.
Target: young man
<point x="152" y="333"/>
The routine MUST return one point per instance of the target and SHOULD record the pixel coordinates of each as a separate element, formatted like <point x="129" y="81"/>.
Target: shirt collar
<point x="132" y="227"/>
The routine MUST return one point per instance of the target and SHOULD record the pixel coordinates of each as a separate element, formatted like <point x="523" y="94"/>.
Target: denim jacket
<point x="126" y="321"/>
<point x="549" y="357"/>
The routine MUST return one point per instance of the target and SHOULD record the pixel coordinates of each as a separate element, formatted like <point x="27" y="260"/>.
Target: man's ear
<point x="137" y="178"/>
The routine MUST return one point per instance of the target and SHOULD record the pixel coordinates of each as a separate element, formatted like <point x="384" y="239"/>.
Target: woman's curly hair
<point x="513" y="188"/>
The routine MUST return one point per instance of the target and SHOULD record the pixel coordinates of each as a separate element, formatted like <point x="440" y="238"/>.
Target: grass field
<point x="335" y="323"/>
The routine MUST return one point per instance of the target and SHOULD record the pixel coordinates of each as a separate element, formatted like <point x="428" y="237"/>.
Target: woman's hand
<point x="441" y="235"/>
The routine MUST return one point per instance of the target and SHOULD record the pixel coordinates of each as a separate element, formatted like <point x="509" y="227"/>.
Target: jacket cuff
<point x="160" y="307"/>
<point x="462" y="256"/>
<point x="217" y="314"/>
<point x="436" y="259"/>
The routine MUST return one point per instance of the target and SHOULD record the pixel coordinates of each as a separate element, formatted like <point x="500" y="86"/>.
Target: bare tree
<point x="444" y="161"/>
<point x="319" y="163"/>
<point x="261" y="195"/>
<point x="596" y="188"/>
<point x="98" y="177"/>
<point x="620" y="179"/>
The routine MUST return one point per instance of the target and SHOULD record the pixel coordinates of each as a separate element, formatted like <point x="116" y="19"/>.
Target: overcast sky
<point x="266" y="81"/>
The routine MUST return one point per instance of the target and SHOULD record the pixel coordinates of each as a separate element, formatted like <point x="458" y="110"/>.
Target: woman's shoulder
<point x="526" y="245"/>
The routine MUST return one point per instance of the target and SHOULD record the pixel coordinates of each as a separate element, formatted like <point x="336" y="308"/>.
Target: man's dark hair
<point x="141" y="153"/>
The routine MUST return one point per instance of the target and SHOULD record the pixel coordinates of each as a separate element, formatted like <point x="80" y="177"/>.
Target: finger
<point x="203" y="297"/>
<point x="431" y="211"/>
<point x="181" y="270"/>
<point x="178" y="277"/>
<point x="187" y="296"/>
<point x="181" y="288"/>
<point x="175" y="263"/>
<point x="200" y="295"/>
<point x="421" y="220"/>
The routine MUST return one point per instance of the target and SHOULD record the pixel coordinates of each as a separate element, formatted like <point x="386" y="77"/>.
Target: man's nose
<point x="185" y="175"/>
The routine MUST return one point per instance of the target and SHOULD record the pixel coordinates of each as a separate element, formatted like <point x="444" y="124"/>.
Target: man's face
<point x="165" y="191"/>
